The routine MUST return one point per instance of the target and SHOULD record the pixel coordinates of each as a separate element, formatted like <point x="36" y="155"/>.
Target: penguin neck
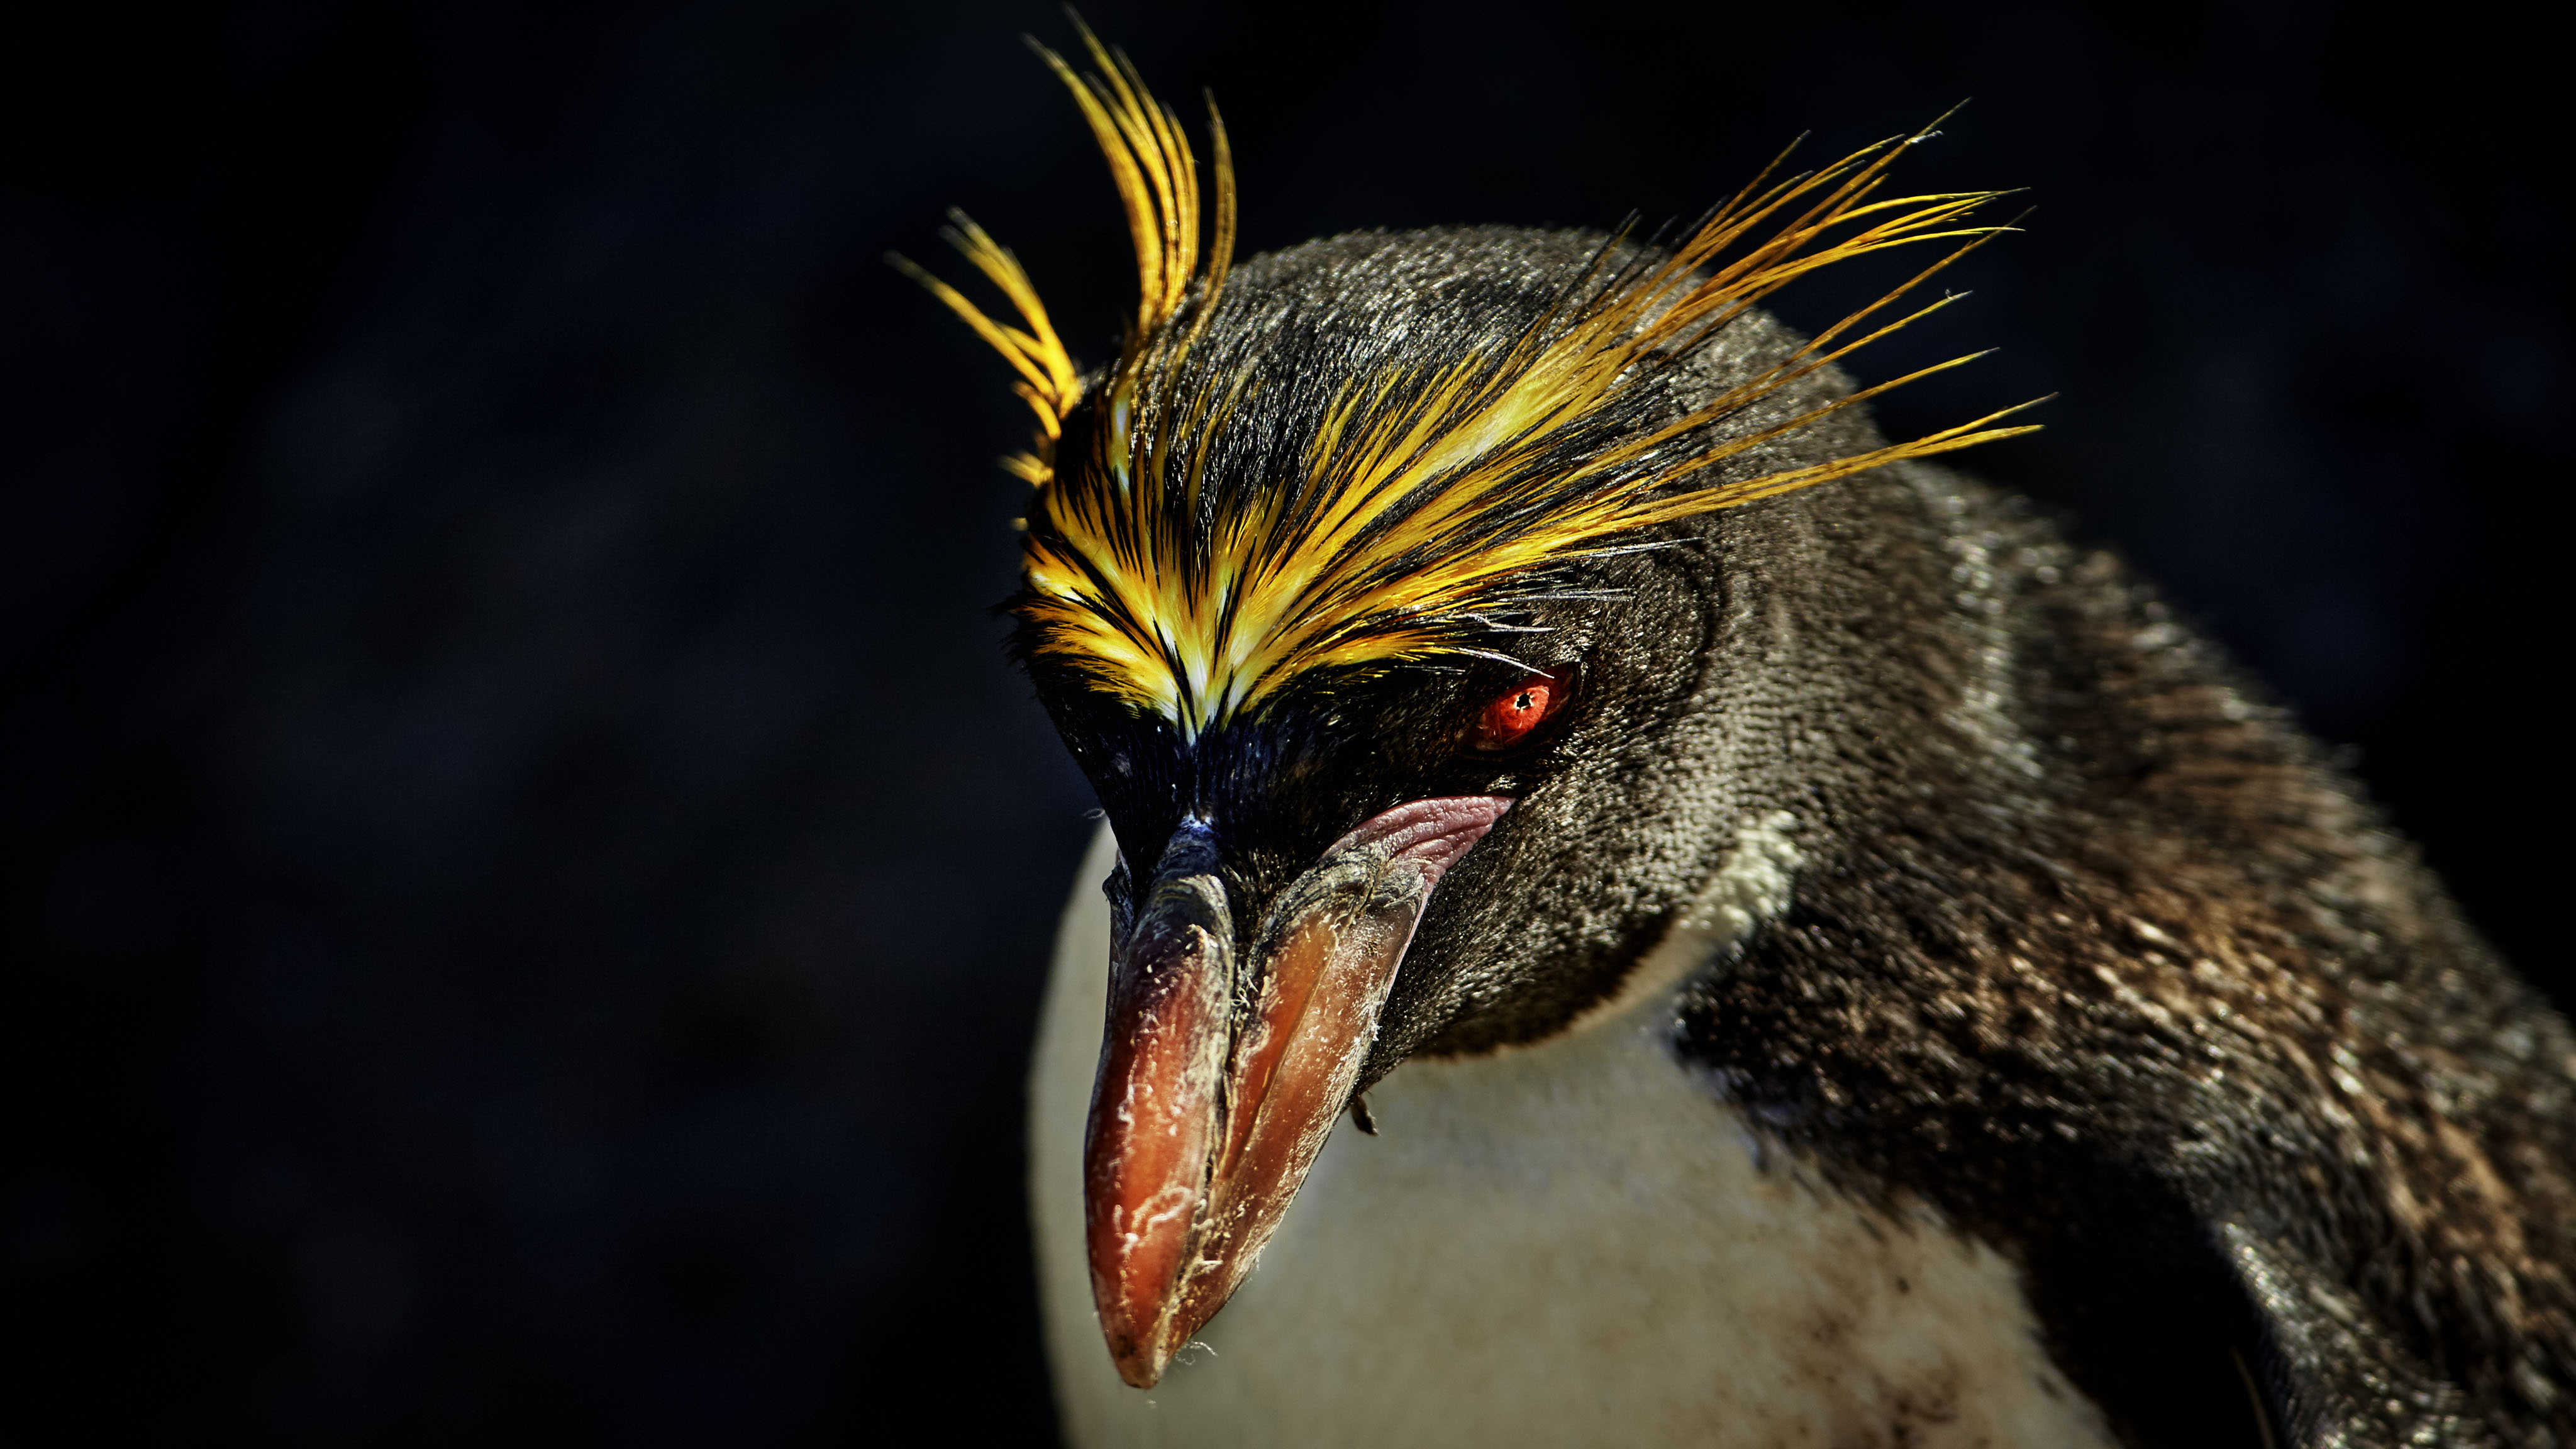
<point x="1753" y="883"/>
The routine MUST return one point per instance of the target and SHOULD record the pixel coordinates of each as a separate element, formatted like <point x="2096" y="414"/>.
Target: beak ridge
<point x="1154" y="1103"/>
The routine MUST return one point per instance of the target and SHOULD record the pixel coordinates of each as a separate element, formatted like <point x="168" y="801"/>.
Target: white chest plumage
<point x="1572" y="1243"/>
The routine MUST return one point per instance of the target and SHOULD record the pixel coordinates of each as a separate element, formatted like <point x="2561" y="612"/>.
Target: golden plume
<point x="1158" y="184"/>
<point x="1425" y="500"/>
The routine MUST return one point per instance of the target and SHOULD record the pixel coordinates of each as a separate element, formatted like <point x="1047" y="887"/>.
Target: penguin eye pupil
<point x="1518" y="710"/>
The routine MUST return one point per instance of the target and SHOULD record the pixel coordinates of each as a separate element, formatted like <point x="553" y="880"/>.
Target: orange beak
<point x="1219" y="1080"/>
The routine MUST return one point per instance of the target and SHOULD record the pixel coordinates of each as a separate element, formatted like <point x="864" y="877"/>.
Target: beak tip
<point x="1140" y="1357"/>
<point x="1141" y="1370"/>
<point x="1142" y="1336"/>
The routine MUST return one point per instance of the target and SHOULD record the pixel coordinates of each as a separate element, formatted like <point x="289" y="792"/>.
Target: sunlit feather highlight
<point x="1156" y="176"/>
<point x="1424" y="502"/>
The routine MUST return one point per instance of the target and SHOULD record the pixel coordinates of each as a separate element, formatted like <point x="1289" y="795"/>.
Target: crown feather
<point x="1425" y="500"/>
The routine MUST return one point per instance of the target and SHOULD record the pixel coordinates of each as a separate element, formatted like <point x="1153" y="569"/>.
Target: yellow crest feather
<point x="1422" y="497"/>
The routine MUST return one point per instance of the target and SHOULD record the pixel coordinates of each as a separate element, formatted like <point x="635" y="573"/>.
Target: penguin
<point x="1632" y="909"/>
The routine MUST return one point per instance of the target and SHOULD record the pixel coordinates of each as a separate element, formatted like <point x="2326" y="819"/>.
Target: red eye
<point x="1520" y="709"/>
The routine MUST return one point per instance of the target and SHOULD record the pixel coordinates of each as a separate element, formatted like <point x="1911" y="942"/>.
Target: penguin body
<point x="2094" y="984"/>
<point x="1833" y="961"/>
<point x="1573" y="1242"/>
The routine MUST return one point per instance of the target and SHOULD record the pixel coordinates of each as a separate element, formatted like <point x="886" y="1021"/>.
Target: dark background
<point x="527" y="876"/>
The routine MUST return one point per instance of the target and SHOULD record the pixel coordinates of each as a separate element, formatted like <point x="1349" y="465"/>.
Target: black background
<point x="526" y="874"/>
